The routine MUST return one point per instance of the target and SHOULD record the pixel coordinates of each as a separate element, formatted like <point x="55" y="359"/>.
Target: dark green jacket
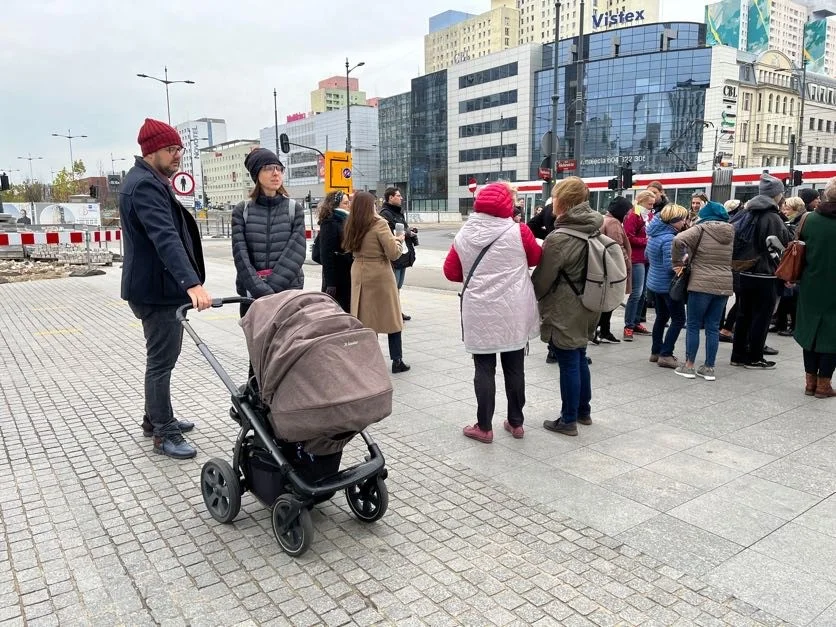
<point x="815" y="327"/>
<point x="563" y="319"/>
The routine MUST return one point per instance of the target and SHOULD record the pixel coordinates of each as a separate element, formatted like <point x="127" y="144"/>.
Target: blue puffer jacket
<point x="658" y="253"/>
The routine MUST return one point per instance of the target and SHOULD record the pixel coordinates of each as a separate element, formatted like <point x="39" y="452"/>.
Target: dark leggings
<point x="731" y="317"/>
<point x="820" y="364"/>
<point x="484" y="384"/>
<point x="604" y="323"/>
<point x="395" y="349"/>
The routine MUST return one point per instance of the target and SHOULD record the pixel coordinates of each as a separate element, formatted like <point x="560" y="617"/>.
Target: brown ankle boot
<point x="824" y="389"/>
<point x="809" y="384"/>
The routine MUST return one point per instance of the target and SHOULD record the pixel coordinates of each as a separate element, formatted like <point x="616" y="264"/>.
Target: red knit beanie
<point x="495" y="199"/>
<point x="155" y="135"/>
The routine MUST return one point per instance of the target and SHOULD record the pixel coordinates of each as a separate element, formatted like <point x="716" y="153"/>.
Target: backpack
<point x="319" y="371"/>
<point x="745" y="253"/>
<point x="605" y="273"/>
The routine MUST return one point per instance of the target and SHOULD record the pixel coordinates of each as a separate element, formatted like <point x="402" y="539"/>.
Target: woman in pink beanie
<point x="491" y="255"/>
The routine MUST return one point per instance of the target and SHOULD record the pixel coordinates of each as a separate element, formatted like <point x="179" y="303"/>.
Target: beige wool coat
<point x="374" y="293"/>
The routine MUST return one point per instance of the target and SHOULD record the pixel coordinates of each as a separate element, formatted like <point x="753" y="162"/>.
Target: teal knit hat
<point x="713" y="212"/>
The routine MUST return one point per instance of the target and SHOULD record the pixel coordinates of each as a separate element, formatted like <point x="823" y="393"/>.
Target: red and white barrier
<point x="58" y="237"/>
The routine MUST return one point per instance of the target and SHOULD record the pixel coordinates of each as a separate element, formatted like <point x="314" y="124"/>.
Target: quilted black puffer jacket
<point x="268" y="250"/>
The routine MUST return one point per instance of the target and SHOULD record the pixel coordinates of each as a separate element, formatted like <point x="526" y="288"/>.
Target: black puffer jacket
<point x="394" y="215"/>
<point x="768" y="222"/>
<point x="270" y="244"/>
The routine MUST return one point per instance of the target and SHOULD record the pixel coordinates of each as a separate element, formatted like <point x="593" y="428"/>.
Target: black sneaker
<point x="760" y="365"/>
<point x="768" y="350"/>
<point x="558" y="426"/>
<point x="174" y="445"/>
<point x="610" y="338"/>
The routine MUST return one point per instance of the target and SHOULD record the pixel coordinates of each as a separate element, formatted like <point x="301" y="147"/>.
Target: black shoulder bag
<point x="679" y="283"/>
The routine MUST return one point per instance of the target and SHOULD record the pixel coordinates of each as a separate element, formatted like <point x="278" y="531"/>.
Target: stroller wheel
<point x="292" y="525"/>
<point x="221" y="490"/>
<point x="368" y="500"/>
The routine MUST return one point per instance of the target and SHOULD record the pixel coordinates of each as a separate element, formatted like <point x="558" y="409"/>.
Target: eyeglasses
<point x="273" y="168"/>
<point x="175" y="150"/>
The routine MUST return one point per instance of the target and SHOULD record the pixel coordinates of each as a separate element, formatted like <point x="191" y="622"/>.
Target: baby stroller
<point x="294" y="422"/>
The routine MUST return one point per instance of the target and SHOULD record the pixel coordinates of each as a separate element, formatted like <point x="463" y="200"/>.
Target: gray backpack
<point x="605" y="276"/>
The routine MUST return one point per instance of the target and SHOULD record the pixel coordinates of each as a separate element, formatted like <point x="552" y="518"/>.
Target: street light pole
<point x="30" y="159"/>
<point x="579" y="97"/>
<point x="113" y="162"/>
<point x="166" y="82"/>
<point x="555" y="99"/>
<point x="801" y="110"/>
<point x="276" y="118"/>
<point x="70" y="137"/>
<point x="348" y="71"/>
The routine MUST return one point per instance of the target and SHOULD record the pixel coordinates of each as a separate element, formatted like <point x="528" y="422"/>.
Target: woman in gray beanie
<point x="268" y="232"/>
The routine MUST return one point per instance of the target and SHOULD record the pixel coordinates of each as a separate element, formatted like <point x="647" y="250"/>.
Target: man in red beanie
<point x="162" y="269"/>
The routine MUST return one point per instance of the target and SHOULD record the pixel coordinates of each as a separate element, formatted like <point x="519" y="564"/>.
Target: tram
<point x="679" y="186"/>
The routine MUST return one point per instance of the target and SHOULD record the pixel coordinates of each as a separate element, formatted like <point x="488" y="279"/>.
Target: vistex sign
<point x="608" y="20"/>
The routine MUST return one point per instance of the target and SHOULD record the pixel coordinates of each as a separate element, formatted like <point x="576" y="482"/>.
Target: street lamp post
<point x="30" y="159"/>
<point x="501" y="143"/>
<point x="113" y="162"/>
<point x="579" y="97"/>
<point x="166" y="82"/>
<point x="348" y="71"/>
<point x="555" y="99"/>
<point x="69" y="136"/>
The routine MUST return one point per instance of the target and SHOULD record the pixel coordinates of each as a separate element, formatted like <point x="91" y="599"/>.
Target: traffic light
<point x="627" y="176"/>
<point x="797" y="177"/>
<point x="284" y="143"/>
<point x="94" y="191"/>
<point x="612" y="184"/>
<point x="308" y="198"/>
<point x="4" y="182"/>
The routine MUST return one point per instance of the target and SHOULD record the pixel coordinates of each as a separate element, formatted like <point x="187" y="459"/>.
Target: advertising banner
<point x="815" y="34"/>
<point x="722" y="21"/>
<point x="758" y="25"/>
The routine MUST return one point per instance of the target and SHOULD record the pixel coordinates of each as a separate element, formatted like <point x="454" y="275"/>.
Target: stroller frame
<point x="223" y="484"/>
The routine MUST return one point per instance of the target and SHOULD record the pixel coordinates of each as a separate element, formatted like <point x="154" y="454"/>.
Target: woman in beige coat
<point x="374" y="293"/>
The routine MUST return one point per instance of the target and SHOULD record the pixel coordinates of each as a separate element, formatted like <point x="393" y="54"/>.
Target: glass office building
<point x="428" y="137"/>
<point x="644" y="99"/>
<point x="394" y="144"/>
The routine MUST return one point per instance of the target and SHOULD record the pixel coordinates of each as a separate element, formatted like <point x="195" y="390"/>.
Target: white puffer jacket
<point x="499" y="309"/>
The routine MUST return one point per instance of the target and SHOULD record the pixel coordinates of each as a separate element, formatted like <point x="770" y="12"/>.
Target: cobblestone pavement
<point x="96" y="529"/>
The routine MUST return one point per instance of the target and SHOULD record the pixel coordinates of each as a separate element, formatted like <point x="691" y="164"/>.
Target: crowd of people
<point x="685" y="262"/>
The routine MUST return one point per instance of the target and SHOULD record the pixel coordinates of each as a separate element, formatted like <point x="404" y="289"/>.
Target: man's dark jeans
<point x="163" y="340"/>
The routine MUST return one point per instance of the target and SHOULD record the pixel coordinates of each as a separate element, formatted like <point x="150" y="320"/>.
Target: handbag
<point x="679" y="283"/>
<point x="792" y="261"/>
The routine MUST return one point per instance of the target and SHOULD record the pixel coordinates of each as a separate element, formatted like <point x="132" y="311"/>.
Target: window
<point x="783" y="131"/>
<point x="486" y="76"/>
<point x="768" y="131"/>
<point x="482" y="177"/>
<point x="826" y="155"/>
<point x="760" y="102"/>
<point x="744" y="131"/>
<point x="488" y="102"/>
<point x="487" y="152"/>
<point x="747" y="101"/>
<point x="821" y="124"/>
<point x="757" y="132"/>
<point x="812" y="124"/>
<point x="818" y="155"/>
<point x="769" y="105"/>
<point x="792" y="105"/>
<point x="809" y="154"/>
<point x="828" y="128"/>
<point x="486" y="128"/>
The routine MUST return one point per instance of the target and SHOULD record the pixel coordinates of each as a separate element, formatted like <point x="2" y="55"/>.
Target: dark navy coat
<point x="163" y="255"/>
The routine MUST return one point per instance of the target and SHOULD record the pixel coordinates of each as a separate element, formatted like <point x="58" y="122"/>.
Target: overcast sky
<point x="72" y="64"/>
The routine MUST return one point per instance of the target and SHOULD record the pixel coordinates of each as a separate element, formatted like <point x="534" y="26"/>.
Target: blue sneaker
<point x="174" y="445"/>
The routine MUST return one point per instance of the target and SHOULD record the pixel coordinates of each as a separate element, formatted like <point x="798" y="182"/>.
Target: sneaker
<point x="768" y="350"/>
<point x="174" y="445"/>
<point x="405" y="317"/>
<point x="640" y="329"/>
<point x="706" y="373"/>
<point x="148" y="429"/>
<point x="668" y="361"/>
<point x="517" y="432"/>
<point x="475" y="433"/>
<point x="609" y="338"/>
<point x="685" y="371"/>
<point x="761" y="364"/>
<point x="558" y="426"/>
<point x="653" y="358"/>
<point x="585" y="420"/>
<point x="628" y="334"/>
<point x="737" y="364"/>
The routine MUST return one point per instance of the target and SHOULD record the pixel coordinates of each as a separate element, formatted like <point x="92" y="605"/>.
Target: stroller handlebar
<point x="216" y="303"/>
